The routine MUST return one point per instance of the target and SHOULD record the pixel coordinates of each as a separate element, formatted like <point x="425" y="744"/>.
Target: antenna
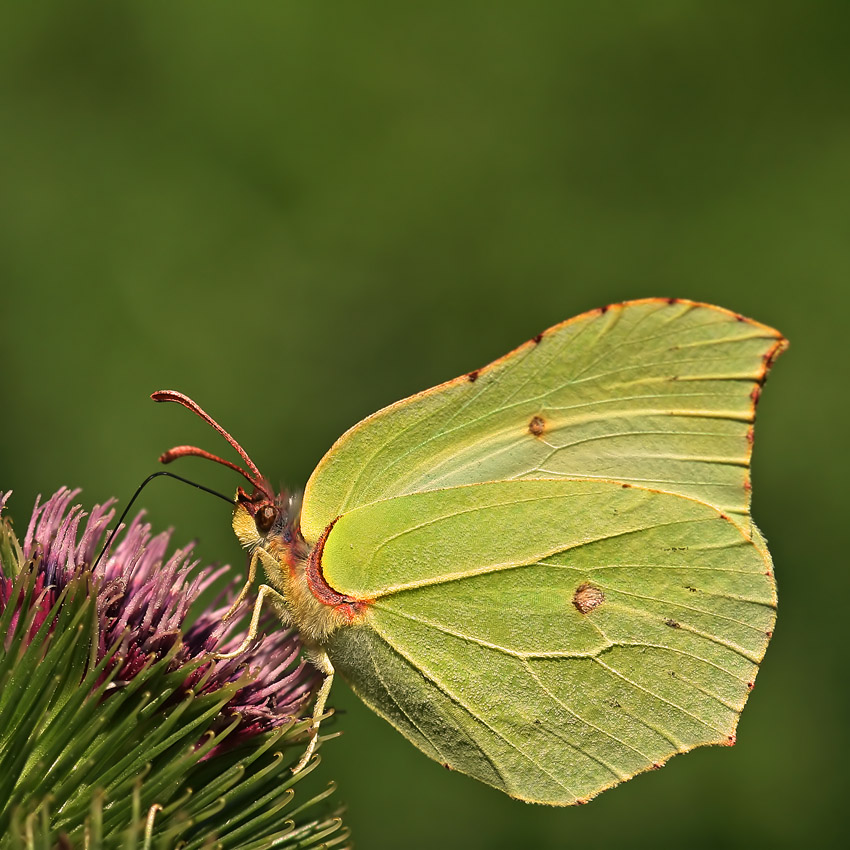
<point x="254" y="477"/>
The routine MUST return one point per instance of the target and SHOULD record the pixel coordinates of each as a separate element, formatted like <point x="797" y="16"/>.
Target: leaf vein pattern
<point x="643" y="397"/>
<point x="444" y="432"/>
<point x="648" y="433"/>
<point x="513" y="653"/>
<point x="487" y="386"/>
<point x="727" y="644"/>
<point x="682" y="605"/>
<point x="663" y="364"/>
<point x="465" y="511"/>
<point x="397" y="435"/>
<point x="460" y="703"/>
<point x="710" y="694"/>
<point x="648" y="692"/>
<point x="605" y="732"/>
<point x="510" y="565"/>
<point x="437" y="434"/>
<point x="554" y="474"/>
<point x="743" y="338"/>
<point x="642" y="456"/>
<point x="530" y="671"/>
<point x="413" y="723"/>
<point x="598" y="417"/>
<point x="685" y="653"/>
<point x="628" y="339"/>
<point x="583" y="569"/>
<point x="525" y="656"/>
<point x="556" y="353"/>
<point x="620" y="644"/>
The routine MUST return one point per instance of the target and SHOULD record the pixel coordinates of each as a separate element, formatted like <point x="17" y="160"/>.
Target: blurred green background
<point x="300" y="212"/>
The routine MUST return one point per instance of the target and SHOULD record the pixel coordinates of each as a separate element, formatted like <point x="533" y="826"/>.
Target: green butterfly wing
<point x="551" y="637"/>
<point x="565" y="584"/>
<point x="656" y="392"/>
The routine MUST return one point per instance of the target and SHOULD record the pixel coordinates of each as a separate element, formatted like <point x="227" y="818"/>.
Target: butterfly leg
<point x="263" y="591"/>
<point x="252" y="573"/>
<point x="323" y="663"/>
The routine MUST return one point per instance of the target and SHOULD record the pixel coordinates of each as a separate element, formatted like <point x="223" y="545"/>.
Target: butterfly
<point x="543" y="573"/>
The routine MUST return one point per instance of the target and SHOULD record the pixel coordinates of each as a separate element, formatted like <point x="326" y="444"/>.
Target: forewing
<point x="551" y="638"/>
<point x="657" y="392"/>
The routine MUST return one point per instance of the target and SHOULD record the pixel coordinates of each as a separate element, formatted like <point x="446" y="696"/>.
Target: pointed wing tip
<point x="780" y="342"/>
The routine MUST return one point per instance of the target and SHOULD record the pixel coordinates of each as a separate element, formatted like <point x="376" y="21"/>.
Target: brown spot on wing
<point x="537" y="425"/>
<point x="472" y="377"/>
<point x="770" y="357"/>
<point x="767" y="361"/>
<point x="587" y="597"/>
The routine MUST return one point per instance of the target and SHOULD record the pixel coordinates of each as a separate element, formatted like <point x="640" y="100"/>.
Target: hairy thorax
<point x="294" y="569"/>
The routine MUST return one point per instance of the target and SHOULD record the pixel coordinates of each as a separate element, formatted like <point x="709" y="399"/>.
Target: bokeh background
<point x="299" y="212"/>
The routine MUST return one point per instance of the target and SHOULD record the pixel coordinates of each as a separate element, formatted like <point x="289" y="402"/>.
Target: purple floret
<point x="143" y="600"/>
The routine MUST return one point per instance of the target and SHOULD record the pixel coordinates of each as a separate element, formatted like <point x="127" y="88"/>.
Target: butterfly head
<point x="255" y="516"/>
<point x="259" y="518"/>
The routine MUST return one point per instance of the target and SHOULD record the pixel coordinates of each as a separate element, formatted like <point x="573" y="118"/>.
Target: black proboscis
<point x="136" y="495"/>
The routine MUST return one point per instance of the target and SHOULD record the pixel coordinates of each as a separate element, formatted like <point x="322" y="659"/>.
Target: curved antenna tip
<point x="254" y="476"/>
<point x="168" y="395"/>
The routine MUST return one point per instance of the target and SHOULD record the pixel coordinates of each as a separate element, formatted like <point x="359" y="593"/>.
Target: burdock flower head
<point x="118" y="722"/>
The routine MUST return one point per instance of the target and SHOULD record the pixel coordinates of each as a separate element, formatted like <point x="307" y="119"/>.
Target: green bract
<point x="119" y="728"/>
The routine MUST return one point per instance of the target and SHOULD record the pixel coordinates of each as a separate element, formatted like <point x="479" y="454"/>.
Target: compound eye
<point x="264" y="518"/>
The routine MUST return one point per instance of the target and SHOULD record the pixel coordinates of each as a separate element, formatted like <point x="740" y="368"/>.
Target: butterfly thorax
<point x="293" y="566"/>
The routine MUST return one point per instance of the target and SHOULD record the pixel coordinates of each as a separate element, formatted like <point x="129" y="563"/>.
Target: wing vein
<point x="460" y="703"/>
<point x="648" y="692"/>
